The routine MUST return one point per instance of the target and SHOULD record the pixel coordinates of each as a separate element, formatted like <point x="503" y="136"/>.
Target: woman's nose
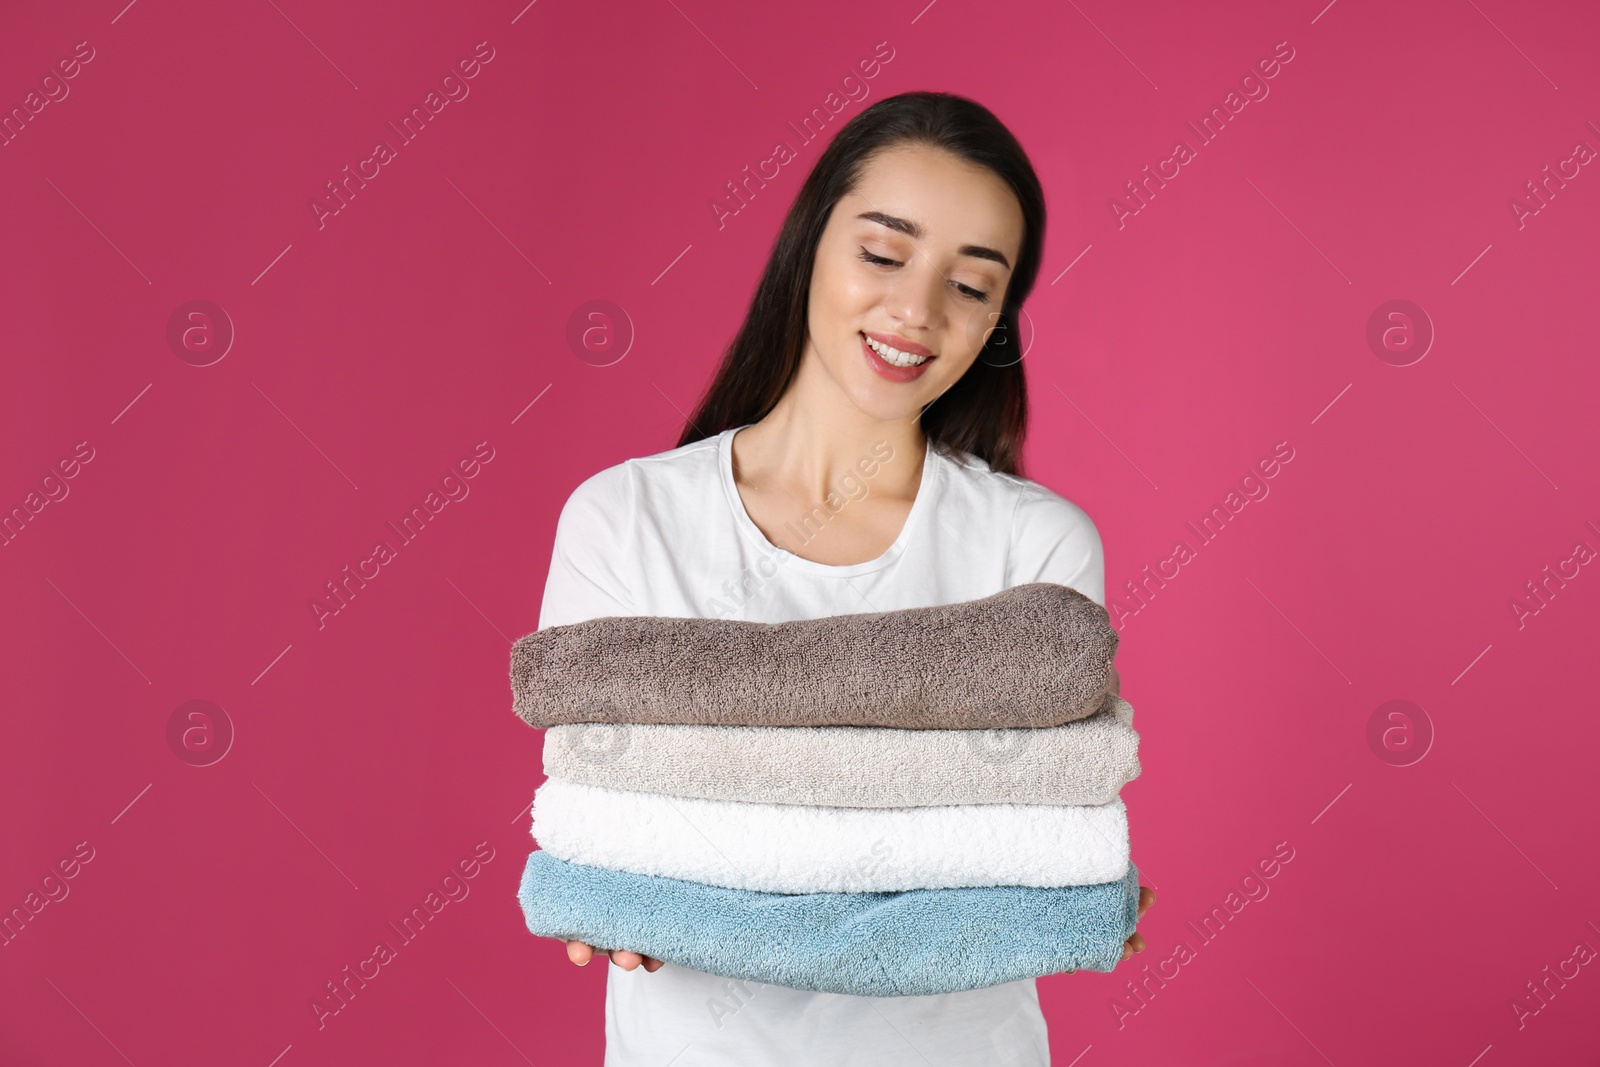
<point x="914" y="296"/>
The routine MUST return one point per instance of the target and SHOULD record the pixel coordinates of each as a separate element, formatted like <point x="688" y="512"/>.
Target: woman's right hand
<point x="581" y="953"/>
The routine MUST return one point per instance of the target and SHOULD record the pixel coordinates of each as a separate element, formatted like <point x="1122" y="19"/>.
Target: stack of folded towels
<point x="892" y="803"/>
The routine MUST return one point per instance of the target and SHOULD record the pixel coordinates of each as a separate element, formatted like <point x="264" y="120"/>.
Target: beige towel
<point x="1082" y="762"/>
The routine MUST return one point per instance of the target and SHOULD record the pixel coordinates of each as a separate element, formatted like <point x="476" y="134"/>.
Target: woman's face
<point x="917" y="259"/>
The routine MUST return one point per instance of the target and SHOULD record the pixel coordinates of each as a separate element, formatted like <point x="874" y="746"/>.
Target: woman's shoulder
<point x="1031" y="505"/>
<point x="614" y="492"/>
<point x="1049" y="537"/>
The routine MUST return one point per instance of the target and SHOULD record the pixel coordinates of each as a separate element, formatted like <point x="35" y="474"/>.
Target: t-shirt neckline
<point x="926" y="490"/>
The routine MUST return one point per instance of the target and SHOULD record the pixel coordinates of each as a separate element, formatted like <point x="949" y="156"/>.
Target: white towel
<point x="796" y="848"/>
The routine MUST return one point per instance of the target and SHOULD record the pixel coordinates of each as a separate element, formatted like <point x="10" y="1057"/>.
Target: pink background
<point x="372" y="755"/>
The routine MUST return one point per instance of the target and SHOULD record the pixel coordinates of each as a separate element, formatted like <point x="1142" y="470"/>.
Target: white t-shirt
<point x="668" y="535"/>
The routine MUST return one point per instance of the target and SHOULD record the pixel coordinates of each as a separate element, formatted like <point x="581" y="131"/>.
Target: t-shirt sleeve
<point x="586" y="579"/>
<point x="1054" y="540"/>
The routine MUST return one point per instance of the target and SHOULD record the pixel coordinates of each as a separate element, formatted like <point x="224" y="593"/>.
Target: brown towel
<point x="1038" y="654"/>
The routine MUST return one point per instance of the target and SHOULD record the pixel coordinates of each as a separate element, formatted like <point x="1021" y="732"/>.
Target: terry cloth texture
<point x="1037" y="654"/>
<point x="915" y="943"/>
<point x="793" y="848"/>
<point x="1082" y="762"/>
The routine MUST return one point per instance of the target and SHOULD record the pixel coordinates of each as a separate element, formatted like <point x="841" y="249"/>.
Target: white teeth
<point x="894" y="355"/>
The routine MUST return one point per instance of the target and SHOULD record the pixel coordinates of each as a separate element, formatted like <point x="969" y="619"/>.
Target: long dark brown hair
<point x="986" y="411"/>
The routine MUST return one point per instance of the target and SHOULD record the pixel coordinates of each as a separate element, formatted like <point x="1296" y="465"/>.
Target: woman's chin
<point x="886" y="404"/>
<point x="883" y="400"/>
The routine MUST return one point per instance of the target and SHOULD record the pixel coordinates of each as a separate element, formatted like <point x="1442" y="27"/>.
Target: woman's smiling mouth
<point x="904" y="362"/>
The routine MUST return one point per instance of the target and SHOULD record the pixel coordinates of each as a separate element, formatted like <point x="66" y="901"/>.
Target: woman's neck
<point x="806" y="453"/>
<point x="826" y="481"/>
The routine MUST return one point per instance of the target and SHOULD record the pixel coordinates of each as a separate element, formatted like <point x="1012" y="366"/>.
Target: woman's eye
<point x="967" y="291"/>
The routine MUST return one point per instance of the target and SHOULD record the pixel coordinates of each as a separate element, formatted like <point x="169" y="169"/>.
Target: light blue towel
<point x="910" y="943"/>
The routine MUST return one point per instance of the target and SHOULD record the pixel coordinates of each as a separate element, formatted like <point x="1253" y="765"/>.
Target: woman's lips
<point x="888" y="370"/>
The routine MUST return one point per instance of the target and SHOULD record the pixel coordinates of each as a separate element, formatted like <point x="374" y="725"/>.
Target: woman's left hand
<point x="1147" y="897"/>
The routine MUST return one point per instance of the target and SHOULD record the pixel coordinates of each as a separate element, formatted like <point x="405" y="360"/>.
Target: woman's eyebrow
<point x="916" y="232"/>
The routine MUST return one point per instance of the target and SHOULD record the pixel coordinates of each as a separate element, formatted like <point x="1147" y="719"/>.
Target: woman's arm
<point x="585" y="582"/>
<point x="586" y="578"/>
<point x="1054" y="540"/>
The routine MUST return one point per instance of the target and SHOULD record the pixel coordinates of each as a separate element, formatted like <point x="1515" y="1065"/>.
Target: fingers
<point x="581" y="953"/>
<point x="1147" y="897"/>
<point x="629" y="960"/>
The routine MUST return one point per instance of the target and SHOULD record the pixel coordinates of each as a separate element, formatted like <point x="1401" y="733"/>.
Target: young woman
<point x="857" y="451"/>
